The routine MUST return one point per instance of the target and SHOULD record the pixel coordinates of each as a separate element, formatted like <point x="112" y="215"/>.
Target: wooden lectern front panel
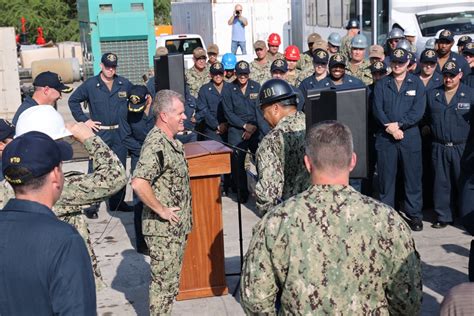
<point x="203" y="272"/>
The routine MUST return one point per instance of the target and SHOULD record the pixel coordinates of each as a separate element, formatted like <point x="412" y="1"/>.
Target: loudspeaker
<point x="348" y="107"/>
<point x="169" y="73"/>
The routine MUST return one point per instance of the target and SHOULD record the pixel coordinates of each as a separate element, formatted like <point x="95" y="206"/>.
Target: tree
<point x="162" y="10"/>
<point x="58" y="21"/>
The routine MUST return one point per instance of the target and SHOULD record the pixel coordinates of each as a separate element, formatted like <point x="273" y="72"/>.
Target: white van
<point x="181" y="43"/>
<point x="425" y="17"/>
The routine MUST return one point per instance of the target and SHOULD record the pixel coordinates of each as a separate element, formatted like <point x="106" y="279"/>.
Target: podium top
<point x="207" y="158"/>
<point x="204" y="148"/>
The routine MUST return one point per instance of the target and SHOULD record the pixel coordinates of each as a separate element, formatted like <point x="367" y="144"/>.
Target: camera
<point x="237" y="12"/>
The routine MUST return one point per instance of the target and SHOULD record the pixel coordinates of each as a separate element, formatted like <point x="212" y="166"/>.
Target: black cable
<point x="221" y="142"/>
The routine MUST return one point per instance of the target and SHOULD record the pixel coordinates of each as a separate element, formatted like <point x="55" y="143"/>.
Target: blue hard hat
<point x="229" y="61"/>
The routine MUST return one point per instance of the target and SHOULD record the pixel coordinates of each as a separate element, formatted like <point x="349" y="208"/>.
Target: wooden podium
<point x="203" y="272"/>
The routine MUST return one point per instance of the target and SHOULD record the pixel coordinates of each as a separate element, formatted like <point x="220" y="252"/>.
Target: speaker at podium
<point x="346" y="106"/>
<point x="169" y="72"/>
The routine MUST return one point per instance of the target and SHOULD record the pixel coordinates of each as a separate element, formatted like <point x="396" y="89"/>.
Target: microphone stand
<point x="239" y="208"/>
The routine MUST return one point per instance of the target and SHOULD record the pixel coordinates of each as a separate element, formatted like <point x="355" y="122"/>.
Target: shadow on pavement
<point x="132" y="282"/>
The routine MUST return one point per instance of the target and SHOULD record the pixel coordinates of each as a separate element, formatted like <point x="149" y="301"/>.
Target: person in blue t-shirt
<point x="238" y="23"/>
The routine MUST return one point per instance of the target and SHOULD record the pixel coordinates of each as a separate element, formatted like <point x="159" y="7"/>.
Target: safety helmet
<point x="405" y="44"/>
<point x="334" y="39"/>
<point x="228" y="61"/>
<point x="277" y="90"/>
<point x="274" y="39"/>
<point x="44" y="119"/>
<point x="352" y="24"/>
<point x="395" y="33"/>
<point x="430" y="43"/>
<point x="359" y="41"/>
<point x="292" y="52"/>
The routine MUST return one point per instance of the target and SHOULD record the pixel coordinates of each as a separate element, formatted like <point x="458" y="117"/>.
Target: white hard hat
<point x="42" y="118"/>
<point x="409" y="32"/>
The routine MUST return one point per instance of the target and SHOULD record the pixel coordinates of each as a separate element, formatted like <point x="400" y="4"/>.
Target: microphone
<point x="188" y="131"/>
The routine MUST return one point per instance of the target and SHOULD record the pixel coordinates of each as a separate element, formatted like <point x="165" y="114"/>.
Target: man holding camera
<point x="238" y="23"/>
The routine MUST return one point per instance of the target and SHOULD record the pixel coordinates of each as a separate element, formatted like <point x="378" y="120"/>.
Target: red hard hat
<point x="274" y="39"/>
<point x="292" y="53"/>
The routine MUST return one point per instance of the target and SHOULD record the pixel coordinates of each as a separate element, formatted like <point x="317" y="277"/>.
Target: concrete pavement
<point x="444" y="254"/>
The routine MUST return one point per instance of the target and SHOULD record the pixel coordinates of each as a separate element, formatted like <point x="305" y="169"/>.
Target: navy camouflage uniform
<point x="163" y="165"/>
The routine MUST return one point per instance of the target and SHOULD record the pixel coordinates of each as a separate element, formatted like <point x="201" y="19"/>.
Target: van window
<point x="183" y="45"/>
<point x="310" y="12"/>
<point x="457" y="22"/>
<point x="335" y="10"/>
<point x="322" y="11"/>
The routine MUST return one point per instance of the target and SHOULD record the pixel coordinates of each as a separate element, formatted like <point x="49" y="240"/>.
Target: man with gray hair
<point x="161" y="181"/>
<point x="331" y="249"/>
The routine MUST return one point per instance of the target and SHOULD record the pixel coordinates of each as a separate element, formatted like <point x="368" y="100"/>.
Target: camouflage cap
<point x="161" y="51"/>
<point x="376" y="51"/>
<point x="259" y="45"/>
<point x="313" y="37"/>
<point x="213" y="49"/>
<point x="319" y="44"/>
<point x="199" y="52"/>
